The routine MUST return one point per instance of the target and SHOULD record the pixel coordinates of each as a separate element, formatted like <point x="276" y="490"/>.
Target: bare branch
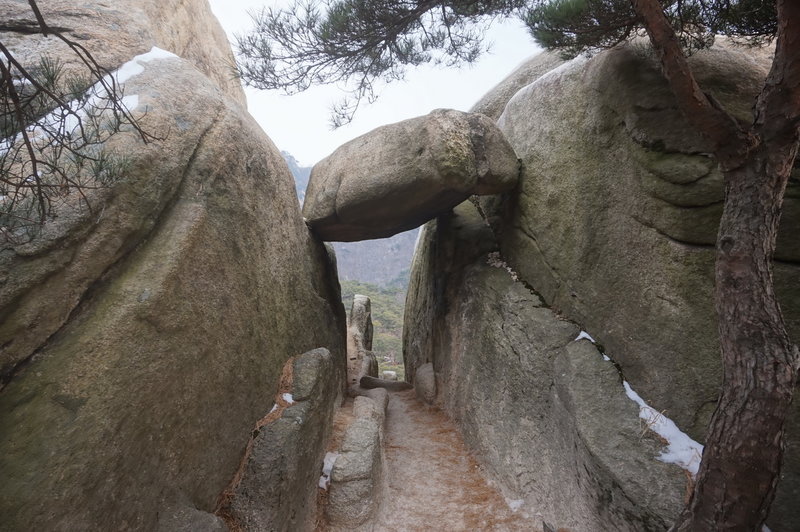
<point x="55" y="132"/>
<point x="39" y="18"/>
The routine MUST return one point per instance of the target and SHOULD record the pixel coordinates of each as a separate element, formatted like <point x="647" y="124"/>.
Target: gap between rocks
<point x="429" y="480"/>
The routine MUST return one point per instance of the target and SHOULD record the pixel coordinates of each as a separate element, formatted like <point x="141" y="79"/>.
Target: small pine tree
<point x="54" y="126"/>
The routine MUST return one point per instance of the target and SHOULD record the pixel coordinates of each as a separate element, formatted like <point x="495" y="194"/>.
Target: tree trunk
<point x="742" y="457"/>
<point x="744" y="447"/>
<point x="741" y="462"/>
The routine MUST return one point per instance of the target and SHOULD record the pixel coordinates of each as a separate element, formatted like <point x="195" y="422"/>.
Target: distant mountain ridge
<point x="300" y="173"/>
<point x="384" y="262"/>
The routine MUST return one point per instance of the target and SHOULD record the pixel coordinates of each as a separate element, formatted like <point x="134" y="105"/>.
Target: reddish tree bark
<point x="741" y="463"/>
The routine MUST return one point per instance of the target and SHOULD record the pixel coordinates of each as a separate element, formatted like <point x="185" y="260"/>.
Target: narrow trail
<point x="434" y="484"/>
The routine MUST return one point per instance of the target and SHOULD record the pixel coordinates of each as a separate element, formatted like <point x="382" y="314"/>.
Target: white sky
<point x="299" y="124"/>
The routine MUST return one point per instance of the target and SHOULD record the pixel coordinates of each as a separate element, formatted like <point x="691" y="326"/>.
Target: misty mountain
<point x="300" y="173"/>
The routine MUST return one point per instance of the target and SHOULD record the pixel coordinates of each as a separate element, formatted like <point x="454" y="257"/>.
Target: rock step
<point x="357" y="473"/>
<point x="369" y="383"/>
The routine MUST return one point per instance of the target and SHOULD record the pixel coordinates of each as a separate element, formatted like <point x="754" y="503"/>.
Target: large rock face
<point x="617" y="212"/>
<point x="114" y="32"/>
<point x="546" y="414"/>
<point x="396" y="177"/>
<point x="614" y="224"/>
<point x="494" y="102"/>
<point x="142" y="341"/>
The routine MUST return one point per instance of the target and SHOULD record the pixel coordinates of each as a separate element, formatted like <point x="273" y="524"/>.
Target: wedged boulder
<point x="143" y="340"/>
<point x="615" y="219"/>
<point x="546" y="413"/>
<point x="398" y="176"/>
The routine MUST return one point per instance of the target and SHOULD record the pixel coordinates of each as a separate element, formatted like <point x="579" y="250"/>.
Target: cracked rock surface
<point x="545" y="413"/>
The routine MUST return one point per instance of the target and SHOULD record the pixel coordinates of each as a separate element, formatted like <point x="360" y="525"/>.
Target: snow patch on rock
<point x="681" y="449"/>
<point x="327" y="467"/>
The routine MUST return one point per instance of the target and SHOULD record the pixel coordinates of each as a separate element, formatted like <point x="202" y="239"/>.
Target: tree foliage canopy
<point x="575" y="26"/>
<point x="360" y="44"/>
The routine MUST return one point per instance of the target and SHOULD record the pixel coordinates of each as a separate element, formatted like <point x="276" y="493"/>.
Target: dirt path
<point x="433" y="482"/>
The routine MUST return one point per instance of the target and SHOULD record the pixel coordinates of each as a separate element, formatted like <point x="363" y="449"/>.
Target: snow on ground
<point x="288" y="398"/>
<point x="97" y="92"/>
<point x="135" y="66"/>
<point x="585" y="335"/>
<point x="132" y="68"/>
<point x="514" y="504"/>
<point x="130" y="102"/>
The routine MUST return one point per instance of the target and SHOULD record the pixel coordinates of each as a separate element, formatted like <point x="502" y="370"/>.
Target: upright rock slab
<point x="142" y="341"/>
<point x="361" y="360"/>
<point x="357" y="477"/>
<point x="398" y="176"/>
<point x="425" y="383"/>
<point x="279" y="480"/>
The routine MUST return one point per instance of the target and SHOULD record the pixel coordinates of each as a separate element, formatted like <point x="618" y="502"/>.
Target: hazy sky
<point x="299" y="124"/>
